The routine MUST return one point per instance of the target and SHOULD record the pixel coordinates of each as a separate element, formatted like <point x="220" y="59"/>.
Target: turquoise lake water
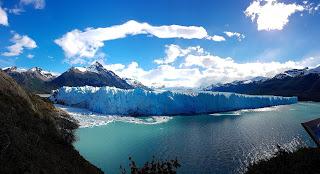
<point x="216" y="143"/>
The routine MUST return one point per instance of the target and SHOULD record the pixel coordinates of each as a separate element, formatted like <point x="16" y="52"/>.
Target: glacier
<point x="140" y="102"/>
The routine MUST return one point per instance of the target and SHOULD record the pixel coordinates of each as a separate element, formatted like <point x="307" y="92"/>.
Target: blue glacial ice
<point x="139" y="102"/>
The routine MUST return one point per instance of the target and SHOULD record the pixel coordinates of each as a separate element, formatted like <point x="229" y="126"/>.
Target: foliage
<point x="153" y="167"/>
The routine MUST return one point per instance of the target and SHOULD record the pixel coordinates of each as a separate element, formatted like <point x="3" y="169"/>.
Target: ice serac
<point x="139" y="102"/>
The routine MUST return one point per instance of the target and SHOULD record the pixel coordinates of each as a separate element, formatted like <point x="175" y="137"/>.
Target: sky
<point x="174" y="43"/>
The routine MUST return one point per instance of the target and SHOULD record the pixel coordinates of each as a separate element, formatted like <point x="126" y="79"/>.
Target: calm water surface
<point x="217" y="143"/>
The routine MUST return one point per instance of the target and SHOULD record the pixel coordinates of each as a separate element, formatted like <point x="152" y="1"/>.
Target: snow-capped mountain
<point x="34" y="72"/>
<point x="40" y="73"/>
<point x="258" y="79"/>
<point x="33" y="79"/>
<point x="157" y="86"/>
<point x="14" y="69"/>
<point x="304" y="83"/>
<point x="93" y="75"/>
<point x="292" y="73"/>
<point x="40" y="81"/>
<point x="136" y="84"/>
<point x="314" y="70"/>
<point x="47" y="75"/>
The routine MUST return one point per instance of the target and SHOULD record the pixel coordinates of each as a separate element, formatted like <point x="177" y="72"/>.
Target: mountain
<point x="94" y="75"/>
<point x="237" y="86"/>
<point x="303" y="83"/>
<point x="39" y="81"/>
<point x="35" y="137"/>
<point x="314" y="71"/>
<point x="136" y="84"/>
<point x="292" y="73"/>
<point x="34" y="79"/>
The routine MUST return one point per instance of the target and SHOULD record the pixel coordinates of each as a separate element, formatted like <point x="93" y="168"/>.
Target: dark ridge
<point x="306" y="87"/>
<point x="74" y="77"/>
<point x="34" y="136"/>
<point x="32" y="81"/>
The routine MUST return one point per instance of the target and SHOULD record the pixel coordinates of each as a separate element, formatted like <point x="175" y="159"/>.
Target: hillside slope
<point x="304" y="87"/>
<point x="34" y="136"/>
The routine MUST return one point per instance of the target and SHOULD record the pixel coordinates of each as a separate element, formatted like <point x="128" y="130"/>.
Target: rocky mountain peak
<point x="96" y="67"/>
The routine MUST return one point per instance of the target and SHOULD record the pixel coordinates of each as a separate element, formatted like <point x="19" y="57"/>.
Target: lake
<point x="216" y="143"/>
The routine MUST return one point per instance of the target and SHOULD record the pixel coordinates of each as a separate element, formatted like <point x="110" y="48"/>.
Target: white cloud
<point x="19" y="44"/>
<point x="226" y="69"/>
<point x="3" y="17"/>
<point x="16" y="10"/>
<point x="239" y="36"/>
<point x="19" y="8"/>
<point x="174" y="51"/>
<point x="270" y="14"/>
<point x="115" y="67"/>
<point x="85" y="44"/>
<point x="216" y="38"/>
<point x="37" y="4"/>
<point x="200" y="68"/>
<point x="312" y="61"/>
<point x="30" y="56"/>
<point x="311" y="7"/>
<point x="167" y="75"/>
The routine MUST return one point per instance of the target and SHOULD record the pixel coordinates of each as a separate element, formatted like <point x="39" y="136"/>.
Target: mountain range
<point x="34" y="79"/>
<point x="39" y="81"/>
<point x="303" y="83"/>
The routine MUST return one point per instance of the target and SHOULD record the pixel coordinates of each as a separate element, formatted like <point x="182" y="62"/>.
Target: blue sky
<point x="275" y="40"/>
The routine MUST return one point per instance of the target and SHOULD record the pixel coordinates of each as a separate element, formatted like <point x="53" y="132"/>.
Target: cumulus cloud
<point x="78" y="44"/>
<point x="115" y="67"/>
<point x="239" y="36"/>
<point x="200" y="68"/>
<point x="3" y="17"/>
<point x="19" y="44"/>
<point x="162" y="75"/>
<point x="271" y="14"/>
<point x="174" y="51"/>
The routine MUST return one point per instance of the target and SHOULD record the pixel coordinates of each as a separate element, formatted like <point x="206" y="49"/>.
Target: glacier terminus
<point x="140" y="102"/>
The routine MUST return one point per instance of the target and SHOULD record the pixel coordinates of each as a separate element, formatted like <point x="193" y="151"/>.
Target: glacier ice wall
<point x="138" y="102"/>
